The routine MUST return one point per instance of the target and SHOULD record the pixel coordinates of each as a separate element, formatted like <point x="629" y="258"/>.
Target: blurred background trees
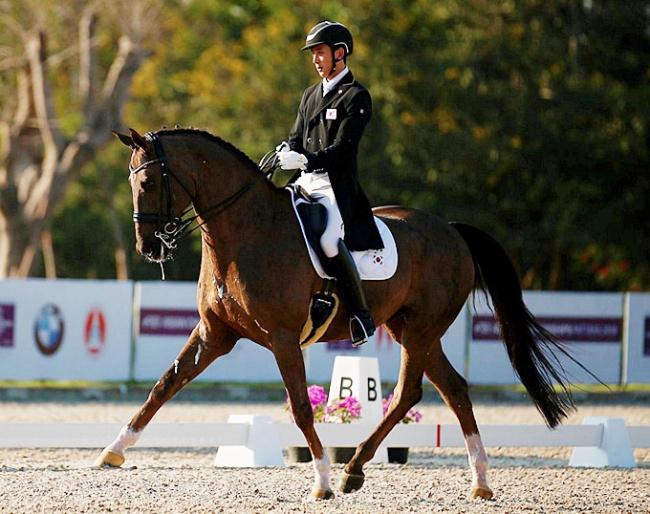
<point x="66" y="73"/>
<point x="528" y="119"/>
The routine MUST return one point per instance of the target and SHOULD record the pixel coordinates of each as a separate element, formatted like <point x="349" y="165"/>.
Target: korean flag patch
<point x="330" y="114"/>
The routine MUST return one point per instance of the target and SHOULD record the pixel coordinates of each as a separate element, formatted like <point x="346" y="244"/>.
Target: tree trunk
<point x="121" y="262"/>
<point x="48" y="254"/>
<point x="18" y="247"/>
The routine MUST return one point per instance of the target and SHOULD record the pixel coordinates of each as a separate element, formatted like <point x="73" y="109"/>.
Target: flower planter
<point x="340" y="455"/>
<point x="398" y="455"/>
<point x="298" y="454"/>
<point x="337" y="455"/>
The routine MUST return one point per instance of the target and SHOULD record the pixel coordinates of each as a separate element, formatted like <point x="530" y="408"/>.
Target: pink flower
<point x="317" y="395"/>
<point x="412" y="416"/>
<point x="341" y="410"/>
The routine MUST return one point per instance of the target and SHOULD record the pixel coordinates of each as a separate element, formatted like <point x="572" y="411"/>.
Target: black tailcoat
<point x="328" y="130"/>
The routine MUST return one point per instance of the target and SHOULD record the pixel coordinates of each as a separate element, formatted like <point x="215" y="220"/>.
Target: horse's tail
<point x="530" y="347"/>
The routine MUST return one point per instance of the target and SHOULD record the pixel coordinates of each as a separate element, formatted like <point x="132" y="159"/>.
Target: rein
<point x="176" y="227"/>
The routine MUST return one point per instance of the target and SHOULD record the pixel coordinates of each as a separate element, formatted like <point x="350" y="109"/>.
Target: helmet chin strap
<point x="335" y="61"/>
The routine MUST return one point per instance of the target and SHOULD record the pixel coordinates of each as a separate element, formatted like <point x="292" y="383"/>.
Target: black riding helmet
<point x="332" y="34"/>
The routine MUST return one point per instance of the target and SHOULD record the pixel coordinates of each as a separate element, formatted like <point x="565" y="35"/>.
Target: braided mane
<point x="241" y="156"/>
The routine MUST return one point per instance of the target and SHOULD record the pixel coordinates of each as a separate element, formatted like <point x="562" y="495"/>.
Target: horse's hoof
<point x="109" y="459"/>
<point x="351" y="483"/>
<point x="482" y="492"/>
<point x="321" y="494"/>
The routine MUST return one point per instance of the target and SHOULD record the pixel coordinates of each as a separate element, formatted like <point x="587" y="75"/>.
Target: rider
<point x="323" y="144"/>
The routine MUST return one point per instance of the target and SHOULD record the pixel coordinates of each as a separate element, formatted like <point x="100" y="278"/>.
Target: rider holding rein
<point x="323" y="145"/>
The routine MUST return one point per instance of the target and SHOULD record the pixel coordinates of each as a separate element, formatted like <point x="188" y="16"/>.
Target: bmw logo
<point x="48" y="329"/>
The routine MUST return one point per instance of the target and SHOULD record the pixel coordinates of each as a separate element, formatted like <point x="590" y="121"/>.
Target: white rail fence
<point x="257" y="441"/>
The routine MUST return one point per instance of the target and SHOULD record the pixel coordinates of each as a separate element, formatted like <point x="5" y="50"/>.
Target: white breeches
<point x="318" y="186"/>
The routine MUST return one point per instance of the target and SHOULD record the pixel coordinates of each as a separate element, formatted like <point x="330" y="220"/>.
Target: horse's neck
<point x="246" y="226"/>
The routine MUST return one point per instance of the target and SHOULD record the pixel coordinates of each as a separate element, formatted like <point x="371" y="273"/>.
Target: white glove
<point x="290" y="160"/>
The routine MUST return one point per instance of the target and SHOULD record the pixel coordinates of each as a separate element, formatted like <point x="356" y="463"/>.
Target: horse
<point x="256" y="281"/>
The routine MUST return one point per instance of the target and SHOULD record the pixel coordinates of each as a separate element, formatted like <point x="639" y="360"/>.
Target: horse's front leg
<point x="408" y="392"/>
<point x="201" y="349"/>
<point x="289" y="359"/>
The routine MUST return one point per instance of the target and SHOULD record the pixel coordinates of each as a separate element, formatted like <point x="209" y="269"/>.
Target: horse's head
<point x="159" y="196"/>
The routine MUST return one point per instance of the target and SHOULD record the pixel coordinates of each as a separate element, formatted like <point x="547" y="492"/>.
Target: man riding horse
<point x="323" y="145"/>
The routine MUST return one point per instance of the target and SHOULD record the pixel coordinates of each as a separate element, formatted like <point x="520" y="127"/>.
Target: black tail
<point x="530" y="346"/>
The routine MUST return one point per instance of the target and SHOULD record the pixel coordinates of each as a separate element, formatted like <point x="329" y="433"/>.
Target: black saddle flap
<point x="314" y="220"/>
<point x="314" y="217"/>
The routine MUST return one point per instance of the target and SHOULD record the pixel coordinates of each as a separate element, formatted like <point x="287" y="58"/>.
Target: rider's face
<point x="321" y="56"/>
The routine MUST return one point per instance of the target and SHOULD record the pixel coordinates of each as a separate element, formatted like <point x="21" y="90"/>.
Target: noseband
<point x="175" y="227"/>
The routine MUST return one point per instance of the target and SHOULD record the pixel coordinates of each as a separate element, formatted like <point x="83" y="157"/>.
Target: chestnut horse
<point x="256" y="282"/>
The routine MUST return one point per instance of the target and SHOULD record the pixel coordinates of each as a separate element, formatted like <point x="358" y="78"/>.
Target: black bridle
<point x="176" y="227"/>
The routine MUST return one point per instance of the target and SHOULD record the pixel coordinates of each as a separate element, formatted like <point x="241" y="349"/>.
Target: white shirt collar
<point x="328" y="85"/>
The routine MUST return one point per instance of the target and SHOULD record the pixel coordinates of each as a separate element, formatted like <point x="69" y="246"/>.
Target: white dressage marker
<point x="359" y="377"/>
<point x="615" y="449"/>
<point x="262" y="448"/>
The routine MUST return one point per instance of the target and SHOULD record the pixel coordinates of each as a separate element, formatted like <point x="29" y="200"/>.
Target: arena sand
<point x="183" y="480"/>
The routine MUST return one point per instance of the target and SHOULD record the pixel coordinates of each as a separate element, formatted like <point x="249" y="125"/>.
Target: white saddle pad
<point x="372" y="264"/>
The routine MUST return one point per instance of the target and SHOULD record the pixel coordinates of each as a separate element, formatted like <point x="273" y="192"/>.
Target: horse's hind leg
<point x="199" y="351"/>
<point x="453" y="389"/>
<point x="408" y="392"/>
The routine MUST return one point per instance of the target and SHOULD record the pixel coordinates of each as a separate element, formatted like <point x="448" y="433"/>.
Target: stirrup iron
<point x="355" y="319"/>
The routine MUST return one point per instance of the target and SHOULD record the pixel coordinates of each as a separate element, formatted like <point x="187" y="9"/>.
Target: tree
<point x="62" y="92"/>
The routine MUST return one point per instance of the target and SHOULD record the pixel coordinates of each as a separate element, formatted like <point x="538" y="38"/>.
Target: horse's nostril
<point x="144" y="249"/>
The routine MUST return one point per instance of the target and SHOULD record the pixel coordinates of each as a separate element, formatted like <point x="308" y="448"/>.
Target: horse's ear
<point x="126" y="140"/>
<point x="138" y="140"/>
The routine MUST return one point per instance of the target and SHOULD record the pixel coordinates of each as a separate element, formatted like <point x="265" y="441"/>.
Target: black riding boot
<point x="344" y="269"/>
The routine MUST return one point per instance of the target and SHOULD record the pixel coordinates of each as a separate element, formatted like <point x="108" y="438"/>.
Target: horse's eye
<point x="148" y="184"/>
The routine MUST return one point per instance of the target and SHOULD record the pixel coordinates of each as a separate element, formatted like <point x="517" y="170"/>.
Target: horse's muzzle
<point x="153" y="250"/>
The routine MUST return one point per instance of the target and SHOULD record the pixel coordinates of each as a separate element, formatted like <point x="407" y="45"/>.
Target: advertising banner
<point x="65" y="329"/>
<point x="636" y="368"/>
<point x="106" y="330"/>
<point x="590" y="324"/>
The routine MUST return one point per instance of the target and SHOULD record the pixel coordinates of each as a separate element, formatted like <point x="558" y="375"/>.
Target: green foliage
<point x="528" y="119"/>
